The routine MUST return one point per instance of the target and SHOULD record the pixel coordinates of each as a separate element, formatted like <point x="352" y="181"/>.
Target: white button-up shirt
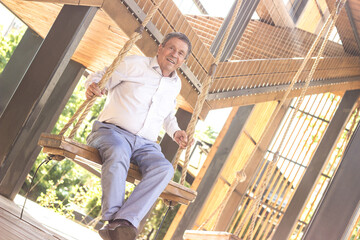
<point x="140" y="99"/>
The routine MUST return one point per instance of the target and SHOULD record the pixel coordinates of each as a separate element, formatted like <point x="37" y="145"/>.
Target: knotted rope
<point x="88" y="103"/>
<point x="254" y="207"/>
<point x="202" y="96"/>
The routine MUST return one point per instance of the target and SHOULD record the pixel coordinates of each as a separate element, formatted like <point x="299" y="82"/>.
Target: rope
<point x="46" y="160"/>
<point x="269" y="170"/>
<point x="202" y="96"/>
<point x="238" y="178"/>
<point x="88" y="103"/>
<point x="162" y="221"/>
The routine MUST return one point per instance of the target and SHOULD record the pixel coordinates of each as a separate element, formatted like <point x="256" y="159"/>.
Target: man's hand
<point x="94" y="90"/>
<point x="181" y="138"/>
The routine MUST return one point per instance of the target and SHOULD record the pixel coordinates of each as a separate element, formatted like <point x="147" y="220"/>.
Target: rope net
<point x="84" y="108"/>
<point x="283" y="42"/>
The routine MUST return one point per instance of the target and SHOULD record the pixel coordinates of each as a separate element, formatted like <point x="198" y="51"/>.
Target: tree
<point x="74" y="185"/>
<point x="8" y="45"/>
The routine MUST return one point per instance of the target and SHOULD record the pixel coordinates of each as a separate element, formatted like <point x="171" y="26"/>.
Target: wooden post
<point x="315" y="168"/>
<point x="24" y="152"/>
<point x="341" y="198"/>
<point x="15" y="69"/>
<point x="213" y="171"/>
<point x="243" y="17"/>
<point x="38" y="84"/>
<point x="240" y="190"/>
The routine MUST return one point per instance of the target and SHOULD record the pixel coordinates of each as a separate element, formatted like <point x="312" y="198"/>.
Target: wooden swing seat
<point x="208" y="235"/>
<point x="87" y="156"/>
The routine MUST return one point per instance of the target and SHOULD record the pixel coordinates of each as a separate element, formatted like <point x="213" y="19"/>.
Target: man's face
<point x="172" y="55"/>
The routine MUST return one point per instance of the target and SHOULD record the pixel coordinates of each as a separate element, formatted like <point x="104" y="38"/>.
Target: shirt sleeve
<point x="171" y="124"/>
<point x="116" y="78"/>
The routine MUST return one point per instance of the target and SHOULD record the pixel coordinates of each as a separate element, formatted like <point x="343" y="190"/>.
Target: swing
<point x="255" y="205"/>
<point x="59" y="147"/>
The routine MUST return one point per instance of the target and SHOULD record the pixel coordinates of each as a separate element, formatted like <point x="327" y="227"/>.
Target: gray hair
<point x="180" y="36"/>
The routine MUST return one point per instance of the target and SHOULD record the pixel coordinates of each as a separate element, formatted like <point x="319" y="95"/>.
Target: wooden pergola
<point x="65" y="37"/>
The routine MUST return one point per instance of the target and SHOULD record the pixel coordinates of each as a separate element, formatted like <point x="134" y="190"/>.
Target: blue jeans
<point x="118" y="148"/>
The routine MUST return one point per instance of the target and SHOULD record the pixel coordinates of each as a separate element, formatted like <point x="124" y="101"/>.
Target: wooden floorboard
<point x="37" y="223"/>
<point x="13" y="228"/>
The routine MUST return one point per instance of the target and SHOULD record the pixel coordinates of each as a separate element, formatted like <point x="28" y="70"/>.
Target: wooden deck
<point x="38" y="223"/>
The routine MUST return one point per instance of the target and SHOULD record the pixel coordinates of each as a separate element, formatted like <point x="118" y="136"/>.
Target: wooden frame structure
<point x="257" y="72"/>
<point x="169" y="20"/>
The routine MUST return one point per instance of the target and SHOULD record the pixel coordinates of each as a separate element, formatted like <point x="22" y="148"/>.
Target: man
<point x="141" y="98"/>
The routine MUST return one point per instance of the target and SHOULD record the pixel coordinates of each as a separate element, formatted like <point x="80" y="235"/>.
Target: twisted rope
<point x="88" y="103"/>
<point x="238" y="178"/>
<point x="270" y="169"/>
<point x="202" y="96"/>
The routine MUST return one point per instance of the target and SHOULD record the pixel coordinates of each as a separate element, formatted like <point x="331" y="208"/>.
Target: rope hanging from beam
<point x="202" y="96"/>
<point x="255" y="205"/>
<point x="219" y="210"/>
<point x="88" y="103"/>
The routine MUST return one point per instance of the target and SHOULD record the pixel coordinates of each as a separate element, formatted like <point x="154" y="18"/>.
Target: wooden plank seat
<point x="209" y="235"/>
<point x="89" y="158"/>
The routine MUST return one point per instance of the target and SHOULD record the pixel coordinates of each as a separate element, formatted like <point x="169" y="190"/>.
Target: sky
<point x="6" y="18"/>
<point x="213" y="7"/>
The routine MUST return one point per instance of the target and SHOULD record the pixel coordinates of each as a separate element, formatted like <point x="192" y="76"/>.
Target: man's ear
<point x="159" y="48"/>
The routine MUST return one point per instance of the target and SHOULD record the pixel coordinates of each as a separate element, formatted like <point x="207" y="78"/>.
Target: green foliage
<point x="8" y="45"/>
<point x="75" y="187"/>
<point x="208" y="135"/>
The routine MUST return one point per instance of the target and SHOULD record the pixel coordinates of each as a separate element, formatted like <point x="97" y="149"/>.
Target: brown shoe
<point x="123" y="233"/>
<point x="118" y="229"/>
<point x="104" y="232"/>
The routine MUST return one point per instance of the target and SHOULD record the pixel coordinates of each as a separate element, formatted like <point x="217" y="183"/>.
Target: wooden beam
<point x="280" y="87"/>
<point x="345" y="31"/>
<point x="202" y="172"/>
<point x="276" y="96"/>
<point x="201" y="7"/>
<point x="242" y="20"/>
<point x="90" y="3"/>
<point x="315" y="168"/>
<point x="353" y="24"/>
<point x="208" y="235"/>
<point x="15" y="69"/>
<point x="250" y="74"/>
<point x="339" y="203"/>
<point x="274" y="11"/>
<point x="259" y="120"/>
<point x="169" y="147"/>
<point x="212" y="173"/>
<point x="39" y="83"/>
<point x="25" y="150"/>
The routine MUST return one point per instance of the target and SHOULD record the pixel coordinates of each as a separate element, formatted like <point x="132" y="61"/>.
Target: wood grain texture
<point x="208" y="235"/>
<point x="60" y="145"/>
<point x="260" y="44"/>
<point x="14" y="228"/>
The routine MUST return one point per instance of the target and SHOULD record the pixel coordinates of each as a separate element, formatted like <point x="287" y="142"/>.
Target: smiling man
<point x="141" y="98"/>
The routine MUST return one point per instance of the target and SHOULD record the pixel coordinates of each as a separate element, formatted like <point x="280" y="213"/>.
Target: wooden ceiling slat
<point x="114" y="23"/>
<point x="252" y="74"/>
<point x="276" y="96"/>
<point x="344" y="27"/>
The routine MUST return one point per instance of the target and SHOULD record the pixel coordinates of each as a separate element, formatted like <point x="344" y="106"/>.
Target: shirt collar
<point x="155" y="65"/>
